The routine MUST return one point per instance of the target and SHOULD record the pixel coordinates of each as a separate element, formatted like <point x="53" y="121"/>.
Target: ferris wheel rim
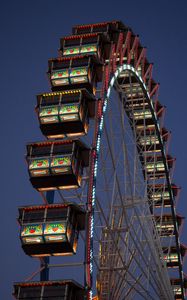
<point x="130" y="68"/>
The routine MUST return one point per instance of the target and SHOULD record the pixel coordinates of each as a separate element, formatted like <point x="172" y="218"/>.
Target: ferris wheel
<point x="105" y="176"/>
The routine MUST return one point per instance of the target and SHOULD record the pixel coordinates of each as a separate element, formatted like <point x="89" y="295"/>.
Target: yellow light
<point x="61" y="93"/>
<point x="67" y="187"/>
<point x="52" y="254"/>
<point x="41" y="255"/>
<point x="63" y="254"/>
<point x="60" y="187"/>
<point x="75" y="134"/>
<point x="46" y="189"/>
<point x="56" y="136"/>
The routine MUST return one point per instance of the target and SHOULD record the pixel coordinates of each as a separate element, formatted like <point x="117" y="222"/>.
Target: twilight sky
<point x="30" y="32"/>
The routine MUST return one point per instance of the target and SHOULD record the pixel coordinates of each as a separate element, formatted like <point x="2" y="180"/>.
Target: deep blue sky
<point x="30" y="32"/>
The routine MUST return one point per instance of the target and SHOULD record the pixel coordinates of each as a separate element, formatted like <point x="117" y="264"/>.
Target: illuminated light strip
<point x="94" y="25"/>
<point x="44" y="283"/>
<point x="51" y="206"/>
<point x="124" y="67"/>
<point x="60" y="93"/>
<point x="43" y="144"/>
<point x="67" y="58"/>
<point x="80" y="36"/>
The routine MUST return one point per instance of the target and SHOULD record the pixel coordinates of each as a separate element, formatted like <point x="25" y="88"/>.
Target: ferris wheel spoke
<point x="116" y="249"/>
